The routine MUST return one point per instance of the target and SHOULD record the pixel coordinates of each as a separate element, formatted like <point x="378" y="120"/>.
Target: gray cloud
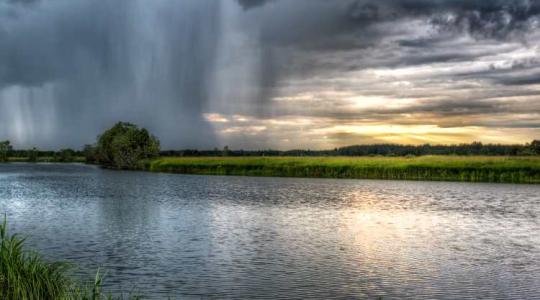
<point x="70" y="68"/>
<point x="248" y="4"/>
<point x="496" y="19"/>
<point x="117" y="60"/>
<point x="21" y="1"/>
<point x="362" y="34"/>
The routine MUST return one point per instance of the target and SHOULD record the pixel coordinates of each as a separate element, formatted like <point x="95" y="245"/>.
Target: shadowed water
<point x="201" y="237"/>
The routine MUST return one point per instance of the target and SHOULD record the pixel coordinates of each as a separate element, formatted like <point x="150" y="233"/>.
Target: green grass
<point x="25" y="275"/>
<point x="440" y="168"/>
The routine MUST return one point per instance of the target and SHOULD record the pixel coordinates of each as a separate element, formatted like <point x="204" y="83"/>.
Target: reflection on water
<point x="269" y="238"/>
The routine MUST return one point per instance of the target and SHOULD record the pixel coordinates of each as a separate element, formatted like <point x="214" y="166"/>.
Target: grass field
<point x="440" y="168"/>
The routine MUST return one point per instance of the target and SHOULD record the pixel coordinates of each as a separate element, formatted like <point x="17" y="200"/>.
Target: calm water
<point x="199" y="237"/>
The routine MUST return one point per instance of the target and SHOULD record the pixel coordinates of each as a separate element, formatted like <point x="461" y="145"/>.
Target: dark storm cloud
<point x="533" y="79"/>
<point x="21" y="1"/>
<point x="70" y="68"/>
<point x="343" y="25"/>
<point x="495" y="18"/>
<point x="248" y="4"/>
<point x="296" y="34"/>
<point x="309" y="18"/>
<point x="116" y="60"/>
<point x="62" y="45"/>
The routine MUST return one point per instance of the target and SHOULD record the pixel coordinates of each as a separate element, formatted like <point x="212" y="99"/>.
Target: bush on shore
<point x="125" y="146"/>
<point x="5" y="148"/>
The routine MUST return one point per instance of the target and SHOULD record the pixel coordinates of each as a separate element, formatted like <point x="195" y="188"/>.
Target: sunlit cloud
<point x="326" y="133"/>
<point x="216" y="118"/>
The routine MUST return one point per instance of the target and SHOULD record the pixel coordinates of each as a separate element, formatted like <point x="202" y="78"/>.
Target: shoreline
<point x="489" y="169"/>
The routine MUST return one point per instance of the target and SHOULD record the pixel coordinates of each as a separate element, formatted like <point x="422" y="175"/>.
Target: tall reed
<point x="25" y="275"/>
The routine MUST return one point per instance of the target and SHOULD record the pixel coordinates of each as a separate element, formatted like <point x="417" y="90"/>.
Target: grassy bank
<point x="25" y="275"/>
<point x="440" y="168"/>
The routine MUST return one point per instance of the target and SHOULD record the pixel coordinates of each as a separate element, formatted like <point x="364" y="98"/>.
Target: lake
<point x="204" y="237"/>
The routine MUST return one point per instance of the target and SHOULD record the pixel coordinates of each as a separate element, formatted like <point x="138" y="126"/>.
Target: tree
<point x="90" y="154"/>
<point x="5" y="149"/>
<point x="226" y="151"/>
<point x="66" y="155"/>
<point x="124" y="146"/>
<point x="535" y="146"/>
<point x="32" y="155"/>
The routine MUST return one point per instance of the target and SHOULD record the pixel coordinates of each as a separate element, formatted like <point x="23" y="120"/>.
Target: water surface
<point x="203" y="237"/>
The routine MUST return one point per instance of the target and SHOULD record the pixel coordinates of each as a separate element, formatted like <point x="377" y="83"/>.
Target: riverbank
<point x="436" y="168"/>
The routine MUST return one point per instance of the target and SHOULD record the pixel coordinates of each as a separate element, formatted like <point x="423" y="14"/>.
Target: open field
<point x="440" y="168"/>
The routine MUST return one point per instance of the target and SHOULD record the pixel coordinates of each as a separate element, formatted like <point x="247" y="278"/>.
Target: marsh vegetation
<point x="440" y="168"/>
<point x="25" y="275"/>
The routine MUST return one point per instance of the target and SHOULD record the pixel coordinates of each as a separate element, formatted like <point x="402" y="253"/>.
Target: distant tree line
<point x="7" y="153"/>
<point x="475" y="148"/>
<point x="125" y="146"/>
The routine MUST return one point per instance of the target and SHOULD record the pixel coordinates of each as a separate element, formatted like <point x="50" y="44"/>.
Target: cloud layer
<point x="271" y="74"/>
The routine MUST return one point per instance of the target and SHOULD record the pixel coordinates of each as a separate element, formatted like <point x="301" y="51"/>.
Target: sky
<point x="280" y="74"/>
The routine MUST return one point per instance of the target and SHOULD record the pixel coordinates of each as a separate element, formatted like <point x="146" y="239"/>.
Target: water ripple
<point x="199" y="237"/>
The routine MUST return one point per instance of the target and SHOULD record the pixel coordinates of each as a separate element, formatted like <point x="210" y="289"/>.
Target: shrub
<point x="535" y="146"/>
<point x="66" y="155"/>
<point x="124" y="146"/>
<point x="90" y="154"/>
<point x="5" y="148"/>
<point x="32" y="155"/>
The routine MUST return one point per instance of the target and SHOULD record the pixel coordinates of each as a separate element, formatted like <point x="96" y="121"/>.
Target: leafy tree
<point x="90" y="154"/>
<point x="535" y="146"/>
<point x="66" y="155"/>
<point x="5" y="149"/>
<point x="226" y="151"/>
<point x="32" y="155"/>
<point x="124" y="146"/>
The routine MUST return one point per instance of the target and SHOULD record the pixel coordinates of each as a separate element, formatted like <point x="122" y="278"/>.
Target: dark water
<point x="199" y="237"/>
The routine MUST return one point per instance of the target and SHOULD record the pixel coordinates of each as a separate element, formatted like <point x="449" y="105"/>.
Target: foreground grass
<point x="24" y="275"/>
<point x="440" y="168"/>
